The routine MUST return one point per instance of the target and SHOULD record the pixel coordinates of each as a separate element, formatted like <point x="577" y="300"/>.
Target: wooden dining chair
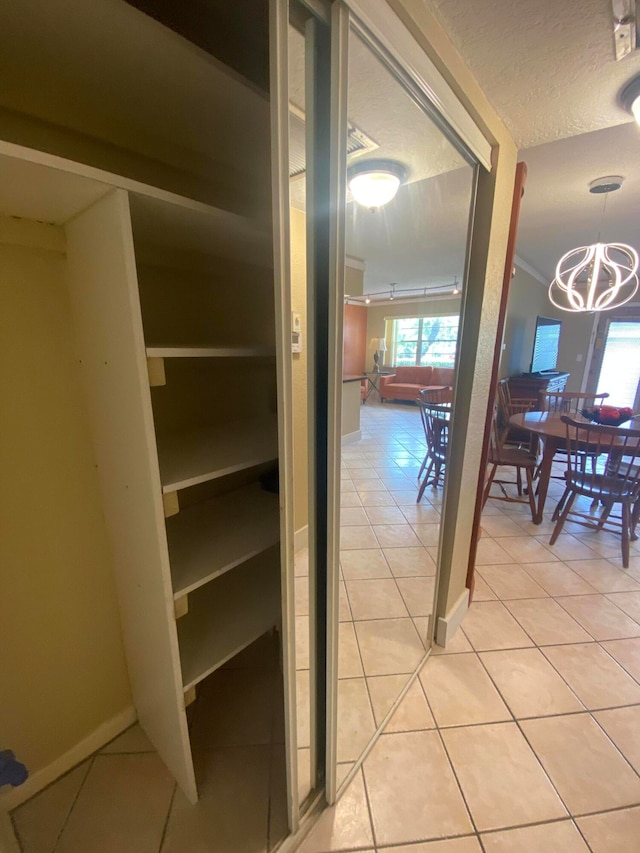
<point x="517" y="458"/>
<point x="435" y="419"/>
<point x="508" y="406"/>
<point x="569" y="403"/>
<point x="613" y="479"/>
<point x="440" y="395"/>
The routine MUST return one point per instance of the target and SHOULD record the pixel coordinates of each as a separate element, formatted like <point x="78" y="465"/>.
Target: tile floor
<point x="388" y="547"/>
<point x="523" y="734"/>
<point x="520" y="736"/>
<point x="124" y="800"/>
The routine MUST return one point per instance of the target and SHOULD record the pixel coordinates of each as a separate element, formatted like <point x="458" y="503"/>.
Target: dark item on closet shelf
<point x="269" y="481"/>
<point x="12" y="772"/>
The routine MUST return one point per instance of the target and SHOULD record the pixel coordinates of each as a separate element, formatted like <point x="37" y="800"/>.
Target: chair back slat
<point x="570" y="402"/>
<point x="603" y="461"/>
<point x="437" y="394"/>
<point x="508" y="406"/>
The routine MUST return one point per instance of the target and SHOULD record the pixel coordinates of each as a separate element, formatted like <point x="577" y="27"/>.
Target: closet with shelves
<point x="171" y="283"/>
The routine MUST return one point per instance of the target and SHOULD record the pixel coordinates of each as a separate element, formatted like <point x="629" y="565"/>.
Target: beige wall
<point x="575" y="341"/>
<point x="299" y="370"/>
<point x="353" y="280"/>
<point x="62" y="667"/>
<point x="528" y="299"/>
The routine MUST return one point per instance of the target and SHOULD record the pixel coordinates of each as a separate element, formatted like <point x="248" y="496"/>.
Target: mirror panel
<point x="404" y="276"/>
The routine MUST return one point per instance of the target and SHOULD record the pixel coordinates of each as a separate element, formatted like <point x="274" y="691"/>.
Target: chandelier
<point x="599" y="277"/>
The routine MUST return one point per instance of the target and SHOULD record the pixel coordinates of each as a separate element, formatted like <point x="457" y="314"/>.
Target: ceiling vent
<point x="357" y="142"/>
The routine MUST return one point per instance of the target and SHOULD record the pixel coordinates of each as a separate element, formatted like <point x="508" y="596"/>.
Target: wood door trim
<point x="518" y="192"/>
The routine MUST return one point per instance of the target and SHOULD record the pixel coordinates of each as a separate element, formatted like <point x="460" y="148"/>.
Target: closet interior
<point x="147" y="179"/>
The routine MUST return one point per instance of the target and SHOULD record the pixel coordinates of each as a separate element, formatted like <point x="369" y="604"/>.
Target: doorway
<point x="616" y="365"/>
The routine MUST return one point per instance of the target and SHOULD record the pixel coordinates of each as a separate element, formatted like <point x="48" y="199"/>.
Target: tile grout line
<point x="166" y="820"/>
<point x="73" y="804"/>
<point x="550" y="716"/>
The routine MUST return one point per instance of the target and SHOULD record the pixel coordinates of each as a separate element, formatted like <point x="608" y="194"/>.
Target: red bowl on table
<point x="608" y="415"/>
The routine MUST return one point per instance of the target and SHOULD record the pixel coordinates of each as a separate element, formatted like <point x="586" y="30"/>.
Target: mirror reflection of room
<point x="403" y="272"/>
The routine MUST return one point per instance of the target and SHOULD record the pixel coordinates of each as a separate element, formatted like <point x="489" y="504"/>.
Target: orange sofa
<point x="405" y="382"/>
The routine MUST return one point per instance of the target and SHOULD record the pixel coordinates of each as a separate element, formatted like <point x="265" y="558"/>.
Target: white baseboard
<point x="350" y="437"/>
<point x="449" y="624"/>
<point x="301" y="538"/>
<point x="105" y="732"/>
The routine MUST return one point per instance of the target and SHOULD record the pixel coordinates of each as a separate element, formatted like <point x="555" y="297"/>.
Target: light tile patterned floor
<point x="523" y="734"/>
<point x="124" y="800"/>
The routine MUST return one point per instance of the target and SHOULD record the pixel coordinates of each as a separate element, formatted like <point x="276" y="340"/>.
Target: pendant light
<point x="599" y="277"/>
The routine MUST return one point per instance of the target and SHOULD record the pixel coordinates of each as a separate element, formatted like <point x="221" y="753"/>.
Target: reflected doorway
<point x="404" y="268"/>
<point x="619" y="367"/>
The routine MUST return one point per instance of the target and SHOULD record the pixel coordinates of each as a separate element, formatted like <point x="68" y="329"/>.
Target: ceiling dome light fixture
<point x="599" y="277"/>
<point x="630" y="97"/>
<point x="375" y="182"/>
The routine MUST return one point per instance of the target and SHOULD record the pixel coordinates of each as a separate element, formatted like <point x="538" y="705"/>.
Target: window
<point x="424" y="340"/>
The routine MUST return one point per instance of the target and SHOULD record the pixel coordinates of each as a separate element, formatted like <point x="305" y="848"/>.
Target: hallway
<point x="522" y="735"/>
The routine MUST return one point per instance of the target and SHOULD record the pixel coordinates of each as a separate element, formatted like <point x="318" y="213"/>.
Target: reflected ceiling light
<point x="375" y="182"/>
<point x="599" y="277"/>
<point x="392" y="295"/>
<point x="367" y="300"/>
<point x="456" y="289"/>
<point x="630" y="97"/>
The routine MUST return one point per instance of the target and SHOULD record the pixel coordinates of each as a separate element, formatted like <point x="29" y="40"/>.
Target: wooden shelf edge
<point x="229" y="616"/>
<point x="189" y="459"/>
<point x="210" y="352"/>
<point x="205" y="579"/>
<point x="251" y="638"/>
<point x="217" y="473"/>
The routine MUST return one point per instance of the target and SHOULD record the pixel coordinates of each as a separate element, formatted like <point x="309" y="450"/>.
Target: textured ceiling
<point x="419" y="239"/>
<point x="548" y="69"/>
<point x="546" y="66"/>
<point x="558" y="211"/>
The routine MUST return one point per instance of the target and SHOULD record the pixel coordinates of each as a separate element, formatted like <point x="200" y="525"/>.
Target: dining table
<point x="550" y="428"/>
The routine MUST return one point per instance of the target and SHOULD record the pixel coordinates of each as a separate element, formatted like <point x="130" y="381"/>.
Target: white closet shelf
<point x="210" y="352"/>
<point x="227" y="615"/>
<point x="208" y="539"/>
<point x="187" y="459"/>
<point x="183" y="225"/>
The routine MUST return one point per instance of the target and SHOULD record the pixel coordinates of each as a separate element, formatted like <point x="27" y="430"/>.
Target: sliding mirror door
<point x="309" y="61"/>
<point x="404" y="278"/>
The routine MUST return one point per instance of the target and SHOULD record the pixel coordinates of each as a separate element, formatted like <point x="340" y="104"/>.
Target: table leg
<point x="544" y="475"/>
<point x="373" y="386"/>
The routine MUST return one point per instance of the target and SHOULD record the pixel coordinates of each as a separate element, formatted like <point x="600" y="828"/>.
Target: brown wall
<point x="355" y="339"/>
